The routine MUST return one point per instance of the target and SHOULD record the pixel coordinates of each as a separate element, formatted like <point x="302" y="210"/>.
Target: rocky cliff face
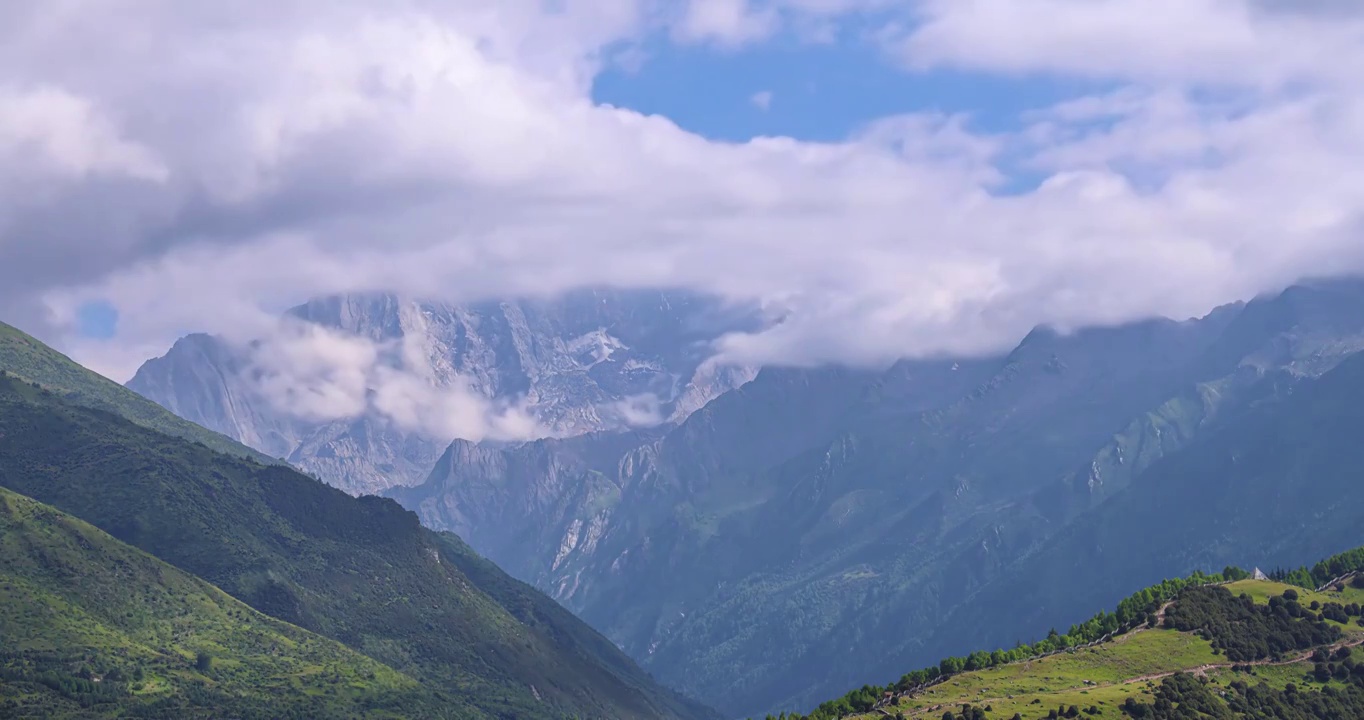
<point x="586" y="362"/>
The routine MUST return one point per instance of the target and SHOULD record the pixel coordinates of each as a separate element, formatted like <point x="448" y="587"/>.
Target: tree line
<point x="1336" y="566"/>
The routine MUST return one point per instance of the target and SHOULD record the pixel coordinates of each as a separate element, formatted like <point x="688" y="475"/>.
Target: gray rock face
<point x="813" y="530"/>
<point x="567" y="493"/>
<point x="585" y="362"/>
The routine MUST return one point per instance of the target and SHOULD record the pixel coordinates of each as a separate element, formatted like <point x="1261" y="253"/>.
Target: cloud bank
<point x="202" y="166"/>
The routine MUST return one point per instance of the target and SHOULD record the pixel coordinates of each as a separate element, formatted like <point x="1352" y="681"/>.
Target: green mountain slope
<point x="1207" y="647"/>
<point x="35" y="362"/>
<point x="358" y="570"/>
<point x="95" y="628"/>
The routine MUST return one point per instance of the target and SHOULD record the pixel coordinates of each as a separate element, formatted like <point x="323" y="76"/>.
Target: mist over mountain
<point x="365" y="391"/>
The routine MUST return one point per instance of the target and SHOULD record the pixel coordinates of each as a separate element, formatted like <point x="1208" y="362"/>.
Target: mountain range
<point x="808" y="530"/>
<point x="815" y="529"/>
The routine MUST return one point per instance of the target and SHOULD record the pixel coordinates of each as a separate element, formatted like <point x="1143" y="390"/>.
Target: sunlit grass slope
<point x="92" y="627"/>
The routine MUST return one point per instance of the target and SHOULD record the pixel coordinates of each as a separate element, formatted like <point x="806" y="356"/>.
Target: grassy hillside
<point x="1218" y="649"/>
<point x="27" y="358"/>
<point x="96" y="628"/>
<point x="358" y="570"/>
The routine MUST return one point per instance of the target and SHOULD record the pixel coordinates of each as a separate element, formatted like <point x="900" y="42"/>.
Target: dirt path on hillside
<point x="885" y="705"/>
<point x="1199" y="670"/>
<point x="1203" y="669"/>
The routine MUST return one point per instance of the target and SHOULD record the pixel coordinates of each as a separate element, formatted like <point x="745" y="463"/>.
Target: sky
<point x="902" y="178"/>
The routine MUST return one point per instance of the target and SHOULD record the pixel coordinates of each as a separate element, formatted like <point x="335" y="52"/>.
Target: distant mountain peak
<point x="588" y="360"/>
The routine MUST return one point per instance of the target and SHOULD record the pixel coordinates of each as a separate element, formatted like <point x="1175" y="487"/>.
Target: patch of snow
<point x="597" y="345"/>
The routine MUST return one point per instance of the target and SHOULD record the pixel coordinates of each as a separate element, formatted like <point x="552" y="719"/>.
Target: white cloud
<point x="320" y="375"/>
<point x="642" y="410"/>
<point x="452" y="411"/>
<point x="762" y="99"/>
<point x="731" y="24"/>
<point x="1219" y="42"/>
<point x="725" y="22"/>
<point x="65" y="134"/>
<point x="313" y="374"/>
<point x="269" y="153"/>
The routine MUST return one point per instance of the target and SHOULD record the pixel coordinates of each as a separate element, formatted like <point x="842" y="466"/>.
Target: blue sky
<point x="97" y="320"/>
<point x="819" y="92"/>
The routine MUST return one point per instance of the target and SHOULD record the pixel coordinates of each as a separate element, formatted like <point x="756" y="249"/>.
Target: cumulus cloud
<point x="1218" y="42"/>
<point x="48" y="130"/>
<point x="726" y="22"/>
<point x="240" y="158"/>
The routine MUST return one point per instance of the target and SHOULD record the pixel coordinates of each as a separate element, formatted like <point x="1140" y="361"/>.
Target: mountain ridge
<point x="30" y="359"/>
